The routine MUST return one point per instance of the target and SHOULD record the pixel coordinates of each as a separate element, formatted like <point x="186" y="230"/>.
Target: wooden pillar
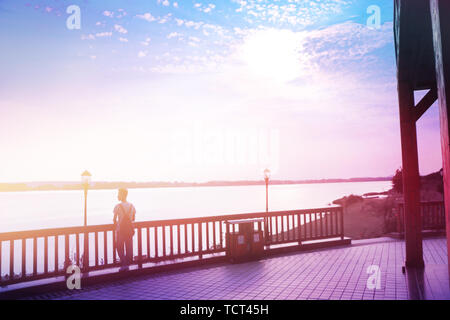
<point x="440" y="19"/>
<point x="411" y="178"/>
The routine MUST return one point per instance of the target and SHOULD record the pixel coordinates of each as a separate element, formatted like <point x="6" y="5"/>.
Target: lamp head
<point x="86" y="178"/>
<point x="267" y="174"/>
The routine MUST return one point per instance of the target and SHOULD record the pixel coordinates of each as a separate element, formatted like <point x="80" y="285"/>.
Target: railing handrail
<point x="17" y="235"/>
<point x="434" y="202"/>
<point x="94" y="247"/>
<point x="432" y="219"/>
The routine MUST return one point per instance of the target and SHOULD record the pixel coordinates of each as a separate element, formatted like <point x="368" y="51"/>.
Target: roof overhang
<point x="414" y="43"/>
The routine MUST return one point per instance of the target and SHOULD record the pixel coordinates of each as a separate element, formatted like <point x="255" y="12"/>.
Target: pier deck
<point x="337" y="273"/>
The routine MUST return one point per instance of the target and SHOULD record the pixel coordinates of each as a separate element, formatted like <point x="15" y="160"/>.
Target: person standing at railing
<point x="124" y="215"/>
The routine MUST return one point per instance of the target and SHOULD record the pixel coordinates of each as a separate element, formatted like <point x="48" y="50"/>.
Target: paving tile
<point x="329" y="274"/>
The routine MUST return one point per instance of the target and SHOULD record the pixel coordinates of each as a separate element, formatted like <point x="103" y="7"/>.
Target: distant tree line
<point x="433" y="180"/>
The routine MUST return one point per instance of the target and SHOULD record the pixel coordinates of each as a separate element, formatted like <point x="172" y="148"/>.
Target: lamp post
<point x="266" y="179"/>
<point x="85" y="181"/>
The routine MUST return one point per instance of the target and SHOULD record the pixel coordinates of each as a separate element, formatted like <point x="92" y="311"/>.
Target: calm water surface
<point x="47" y="209"/>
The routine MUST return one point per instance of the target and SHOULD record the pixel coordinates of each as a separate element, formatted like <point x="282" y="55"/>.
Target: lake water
<point x="48" y="209"/>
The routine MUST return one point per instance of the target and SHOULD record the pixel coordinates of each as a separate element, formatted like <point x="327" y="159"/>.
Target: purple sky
<point x="197" y="91"/>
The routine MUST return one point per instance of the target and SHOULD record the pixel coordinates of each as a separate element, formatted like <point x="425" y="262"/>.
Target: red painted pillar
<point x="440" y="13"/>
<point x="411" y="177"/>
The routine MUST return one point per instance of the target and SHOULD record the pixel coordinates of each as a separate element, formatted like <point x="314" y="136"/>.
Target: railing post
<point x="227" y="238"/>
<point x="140" y="247"/>
<point x="185" y="239"/>
<point x="86" y="252"/>
<point x="207" y="235"/>
<point x="105" y="247"/>
<point x="316" y="225"/>
<point x="35" y="256"/>
<point x="96" y="248"/>
<point x="24" y="258"/>
<point x="435" y="214"/>
<point x="179" y="241"/>
<point x="56" y="255"/>
<point x="11" y="259"/>
<point x="200" y="240"/>
<point x="171" y="240"/>
<point x="46" y="254"/>
<point x="148" y="243"/>
<point x="114" y="244"/>
<point x="156" y="242"/>
<point x="66" y="252"/>
<point x="266" y="229"/>
<point x="342" y="222"/>
<point x="164" y="239"/>
<point x="399" y="218"/>
<point x="299" y="229"/>
<point x="1" y="245"/>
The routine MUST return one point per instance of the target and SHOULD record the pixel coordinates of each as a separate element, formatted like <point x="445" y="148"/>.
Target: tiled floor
<point x="339" y="273"/>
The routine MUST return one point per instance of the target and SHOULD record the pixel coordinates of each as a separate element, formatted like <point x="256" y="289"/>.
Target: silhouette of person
<point x="124" y="215"/>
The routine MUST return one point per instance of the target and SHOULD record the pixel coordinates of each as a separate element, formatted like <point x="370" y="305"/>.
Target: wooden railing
<point x="433" y="216"/>
<point x="37" y="254"/>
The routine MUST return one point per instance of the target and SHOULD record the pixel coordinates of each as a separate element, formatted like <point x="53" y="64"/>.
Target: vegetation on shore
<point x="54" y="186"/>
<point x="371" y="215"/>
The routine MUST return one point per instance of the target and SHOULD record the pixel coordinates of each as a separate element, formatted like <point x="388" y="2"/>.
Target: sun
<point x="273" y="54"/>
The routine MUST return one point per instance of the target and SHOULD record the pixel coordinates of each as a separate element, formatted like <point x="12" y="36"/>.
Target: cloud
<point x="295" y="13"/>
<point x="207" y="28"/>
<point x="118" y="15"/>
<point x="174" y="35"/>
<point x="150" y="18"/>
<point x="122" y="13"/>
<point x="165" y="18"/>
<point x="142" y="54"/>
<point x="87" y="37"/>
<point x="287" y="58"/>
<point x="146" y="16"/>
<point x="329" y="78"/>
<point x="193" y="24"/>
<point x="103" y="34"/>
<point x="108" y="13"/>
<point x="204" y="8"/>
<point x="165" y="3"/>
<point x="120" y="29"/>
<point x="341" y="46"/>
<point x="219" y="30"/>
<point x="301" y="73"/>
<point x="146" y="42"/>
<point x="284" y="55"/>
<point x="193" y="41"/>
<point x="209" y="8"/>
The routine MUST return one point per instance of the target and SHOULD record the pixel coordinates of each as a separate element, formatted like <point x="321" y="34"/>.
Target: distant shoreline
<point x="59" y="186"/>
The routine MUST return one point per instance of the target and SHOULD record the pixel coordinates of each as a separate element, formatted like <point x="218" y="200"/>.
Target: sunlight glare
<point x="273" y="54"/>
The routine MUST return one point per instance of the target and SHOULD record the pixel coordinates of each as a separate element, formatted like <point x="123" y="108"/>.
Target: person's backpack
<point x="126" y="225"/>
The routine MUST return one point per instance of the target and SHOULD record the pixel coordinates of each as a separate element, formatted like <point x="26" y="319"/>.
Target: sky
<point x="161" y="90"/>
